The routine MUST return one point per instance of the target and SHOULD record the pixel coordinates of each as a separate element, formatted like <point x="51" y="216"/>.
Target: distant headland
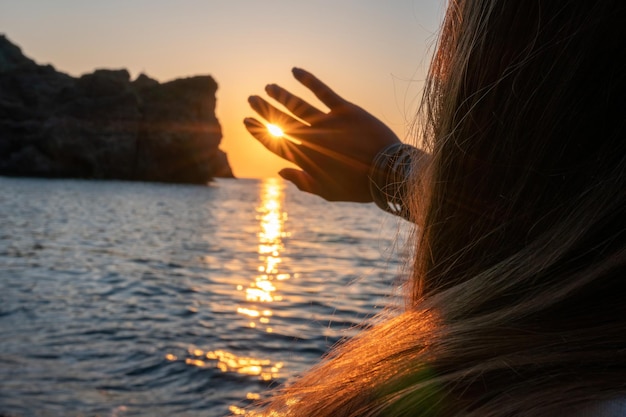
<point x="104" y="126"/>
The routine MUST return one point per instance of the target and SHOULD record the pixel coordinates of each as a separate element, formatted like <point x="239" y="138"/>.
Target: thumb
<point x="300" y="179"/>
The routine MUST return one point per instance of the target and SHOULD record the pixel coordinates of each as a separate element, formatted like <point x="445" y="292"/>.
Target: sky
<point x="374" y="53"/>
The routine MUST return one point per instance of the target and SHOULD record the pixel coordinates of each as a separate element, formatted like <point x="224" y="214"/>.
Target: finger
<point x="300" y="179"/>
<point x="270" y="113"/>
<point x="294" y="104"/>
<point x="307" y="156"/>
<point x="284" y="148"/>
<point x="321" y="90"/>
<point x="311" y="184"/>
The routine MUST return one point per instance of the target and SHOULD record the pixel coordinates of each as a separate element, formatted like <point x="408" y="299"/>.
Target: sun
<point x="275" y="131"/>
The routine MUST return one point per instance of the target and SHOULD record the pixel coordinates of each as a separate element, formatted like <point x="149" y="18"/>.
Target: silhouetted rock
<point x="102" y="125"/>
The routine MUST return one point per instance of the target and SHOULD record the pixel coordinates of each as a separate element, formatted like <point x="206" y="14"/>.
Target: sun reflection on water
<point x="263" y="288"/>
<point x="225" y="361"/>
<point x="257" y="296"/>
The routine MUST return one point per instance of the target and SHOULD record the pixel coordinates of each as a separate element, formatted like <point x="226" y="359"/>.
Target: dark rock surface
<point x="104" y="126"/>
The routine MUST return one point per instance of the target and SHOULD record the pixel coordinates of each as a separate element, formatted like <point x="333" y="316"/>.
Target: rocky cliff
<point x="105" y="126"/>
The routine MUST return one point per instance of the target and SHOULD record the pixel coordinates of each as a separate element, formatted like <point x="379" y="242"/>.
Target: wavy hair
<point x="516" y="298"/>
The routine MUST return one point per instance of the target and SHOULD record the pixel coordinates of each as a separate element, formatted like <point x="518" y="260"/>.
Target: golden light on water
<point x="275" y="131"/>
<point x="257" y="296"/>
<point x="248" y="312"/>
<point x="225" y="361"/>
<point x="263" y="289"/>
<point x="237" y="411"/>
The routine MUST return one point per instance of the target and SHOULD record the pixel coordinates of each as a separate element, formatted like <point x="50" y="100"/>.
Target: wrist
<point x="389" y="172"/>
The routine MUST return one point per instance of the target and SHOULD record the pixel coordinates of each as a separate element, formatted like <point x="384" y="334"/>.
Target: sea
<point x="142" y="299"/>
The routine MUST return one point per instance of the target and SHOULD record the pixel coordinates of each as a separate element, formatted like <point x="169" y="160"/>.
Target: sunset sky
<point x="373" y="52"/>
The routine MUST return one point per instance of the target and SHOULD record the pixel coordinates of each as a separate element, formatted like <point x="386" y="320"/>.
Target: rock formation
<point x="103" y="125"/>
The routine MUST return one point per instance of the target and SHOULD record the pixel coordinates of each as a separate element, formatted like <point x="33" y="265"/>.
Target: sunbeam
<point x="275" y="131"/>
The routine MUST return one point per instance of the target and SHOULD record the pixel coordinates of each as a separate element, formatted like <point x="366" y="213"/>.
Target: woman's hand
<point x="334" y="149"/>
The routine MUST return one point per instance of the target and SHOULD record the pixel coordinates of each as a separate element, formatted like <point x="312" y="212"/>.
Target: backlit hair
<point x="516" y="299"/>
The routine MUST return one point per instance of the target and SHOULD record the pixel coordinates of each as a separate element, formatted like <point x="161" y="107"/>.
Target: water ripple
<point x="132" y="299"/>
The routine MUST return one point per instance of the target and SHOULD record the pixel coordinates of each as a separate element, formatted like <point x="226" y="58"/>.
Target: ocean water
<point x="138" y="299"/>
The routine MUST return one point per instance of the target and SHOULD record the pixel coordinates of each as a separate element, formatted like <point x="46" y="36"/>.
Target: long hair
<point x="516" y="300"/>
